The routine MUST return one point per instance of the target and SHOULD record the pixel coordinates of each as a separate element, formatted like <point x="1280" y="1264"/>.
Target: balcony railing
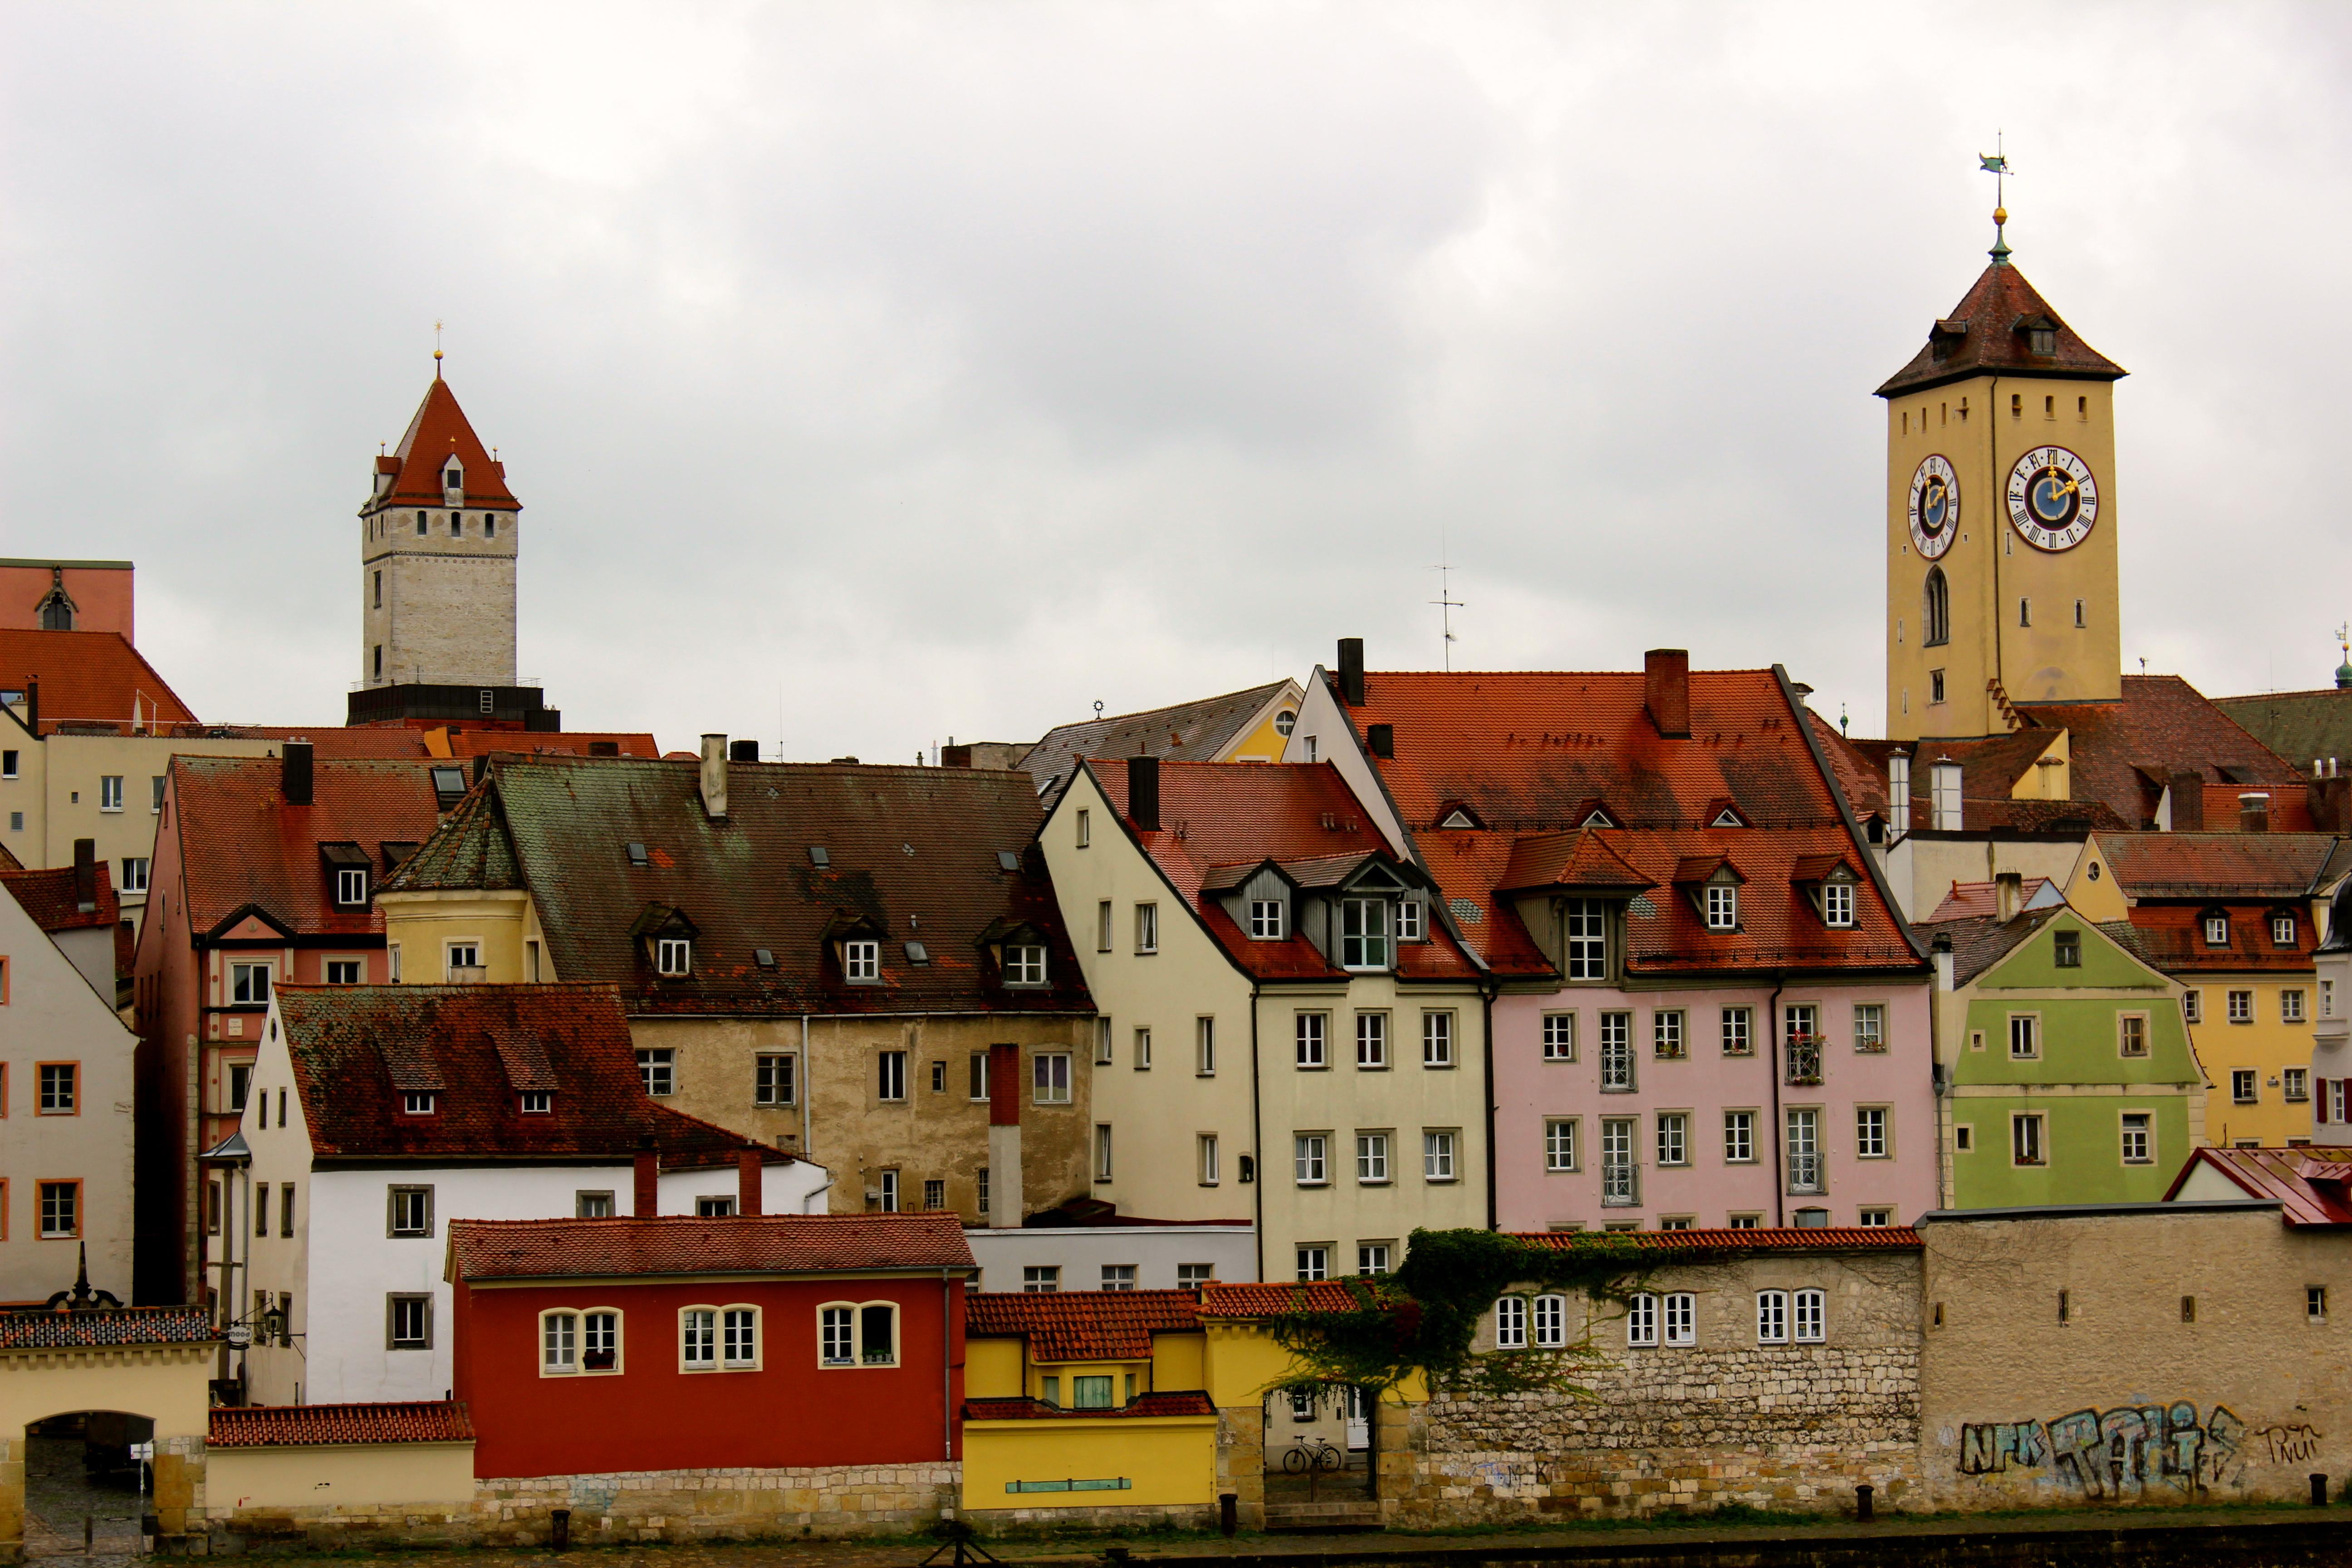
<point x="1802" y="1057"/>
<point x="1617" y="1186"/>
<point x="1804" y="1173"/>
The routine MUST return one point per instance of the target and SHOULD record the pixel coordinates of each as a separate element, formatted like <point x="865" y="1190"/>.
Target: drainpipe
<point x="1257" y="1148"/>
<point x="1780" y="1176"/>
<point x="1486" y="1045"/>
<point x="947" y="1388"/>
<point x="808" y="1092"/>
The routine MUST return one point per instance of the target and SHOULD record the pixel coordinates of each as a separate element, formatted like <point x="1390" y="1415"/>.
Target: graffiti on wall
<point x="2129" y="1450"/>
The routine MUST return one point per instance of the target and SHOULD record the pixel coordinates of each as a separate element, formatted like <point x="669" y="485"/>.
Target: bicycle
<point x="1313" y="1454"/>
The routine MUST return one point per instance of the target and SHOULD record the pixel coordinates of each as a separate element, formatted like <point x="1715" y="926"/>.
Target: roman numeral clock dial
<point x="2052" y="499"/>
<point x="1935" y="507"/>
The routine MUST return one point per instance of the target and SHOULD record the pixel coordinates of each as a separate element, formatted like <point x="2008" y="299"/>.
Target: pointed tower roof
<point x="1991" y="331"/>
<point x="438" y="429"/>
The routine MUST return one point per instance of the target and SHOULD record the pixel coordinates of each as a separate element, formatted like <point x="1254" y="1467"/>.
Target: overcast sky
<point x="876" y="374"/>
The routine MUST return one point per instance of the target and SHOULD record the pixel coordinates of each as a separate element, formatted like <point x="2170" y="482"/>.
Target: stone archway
<point x="86" y="1487"/>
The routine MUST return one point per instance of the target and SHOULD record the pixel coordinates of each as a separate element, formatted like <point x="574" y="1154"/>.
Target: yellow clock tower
<point x="2000" y="515"/>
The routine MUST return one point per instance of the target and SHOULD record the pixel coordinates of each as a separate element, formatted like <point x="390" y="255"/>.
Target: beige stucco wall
<point x="378" y="1475"/>
<point x="504" y="924"/>
<point x="2123" y="1400"/>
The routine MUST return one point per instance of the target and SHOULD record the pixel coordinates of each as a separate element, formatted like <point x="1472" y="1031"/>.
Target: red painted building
<point x="760" y="1342"/>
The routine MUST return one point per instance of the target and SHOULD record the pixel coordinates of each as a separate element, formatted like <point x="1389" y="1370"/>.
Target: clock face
<point x="2052" y="499"/>
<point x="1935" y="507"/>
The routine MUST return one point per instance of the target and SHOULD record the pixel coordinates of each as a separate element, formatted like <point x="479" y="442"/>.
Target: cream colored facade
<point x="324" y="1475"/>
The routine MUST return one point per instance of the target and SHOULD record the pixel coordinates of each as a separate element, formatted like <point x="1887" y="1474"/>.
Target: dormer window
<point x="674" y="955"/>
<point x="1408" y="920"/>
<point x="1266" y="920"/>
<point x="538" y="1102"/>
<point x="2283" y="931"/>
<point x="1597" y="817"/>
<point x="861" y="961"/>
<point x="2043" y="340"/>
<point x="1588" y="939"/>
<point x="453" y="484"/>
<point x="1722" y="906"/>
<point x="2216" y="930"/>
<point x="418" y="1102"/>
<point x="1025" y="964"/>
<point x="1363" y="934"/>
<point x="1727" y="817"/>
<point x="350" y="887"/>
<point x="1837" y="904"/>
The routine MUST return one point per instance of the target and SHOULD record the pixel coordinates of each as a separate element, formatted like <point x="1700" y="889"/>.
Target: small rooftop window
<point x="1008" y="860"/>
<point x="819" y="855"/>
<point x="449" y="784"/>
<point x="538" y="1102"/>
<point x="917" y="954"/>
<point x="637" y="855"/>
<point x="418" y="1102"/>
<point x="764" y="957"/>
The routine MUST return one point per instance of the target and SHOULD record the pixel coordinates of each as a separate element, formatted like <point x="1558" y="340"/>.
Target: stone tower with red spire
<point x="439" y="539"/>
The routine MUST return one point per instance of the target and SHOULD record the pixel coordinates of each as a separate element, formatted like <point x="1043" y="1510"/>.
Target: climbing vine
<point x="1423" y="1319"/>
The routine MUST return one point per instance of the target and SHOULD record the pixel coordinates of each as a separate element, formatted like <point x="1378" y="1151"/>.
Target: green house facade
<point x="2065" y="1066"/>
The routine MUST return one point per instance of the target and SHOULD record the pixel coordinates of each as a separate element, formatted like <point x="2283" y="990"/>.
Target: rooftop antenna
<point x="1998" y="167"/>
<point x="436" y="351"/>
<point x="1446" y="602"/>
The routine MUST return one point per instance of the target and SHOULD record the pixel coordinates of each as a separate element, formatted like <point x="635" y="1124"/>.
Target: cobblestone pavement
<point x="59" y="1493"/>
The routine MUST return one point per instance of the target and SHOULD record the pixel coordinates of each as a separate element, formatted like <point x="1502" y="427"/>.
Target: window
<point x="1771" y="1317"/>
<point x="408" y="1322"/>
<point x="1143" y="1050"/>
<point x="284" y="1200"/>
<point x="1559" y="1144"/>
<point x="2290" y="1006"/>
<point x="463" y="956"/>
<point x="2025" y="1139"/>
<point x="1438" y="1040"/>
<point x="1372" y="1159"/>
<point x="1310" y="749"/>
<point x="240" y="1081"/>
<point x="1372" y="1041"/>
<point x="1804" y="1143"/>
<point x="1617" y="1052"/>
<point x="1314" y="1263"/>
<point x="1102" y="1058"/>
<point x="1192" y="1276"/>
<point x="2282" y="931"/>
<point x="1511" y="1323"/>
<point x="59" y="1083"/>
<point x="1870" y="1132"/>
<point x="2328" y="998"/>
<point x="1205" y="1047"/>
<point x="1588" y="939"/>
<point x="1642" y="1319"/>
<point x="1679" y="1318"/>
<point x="248" y="984"/>
<point x="658" y="1067"/>
<point x="1559" y="1036"/>
<point x="2024" y="1036"/>
<point x="1086" y="828"/>
<point x="1205" y="1159"/>
<point x="418" y="1101"/>
<point x="1266" y="920"/>
<point x="1872" y="1219"/>
<point x="1308" y="1158"/>
<point x="1743" y="1221"/>
<point x="2137" y="1140"/>
<point x="861" y="961"/>
<point x="1809" y="1308"/>
<point x="1722" y="905"/>
<point x="1619" y="1188"/>
<point x="1102" y="1151"/>
<point x="1437" y="1156"/>
<point x="1050" y="1076"/>
<point x="1041" y="1279"/>
<point x="410" y="1211"/>
<point x="2131" y="1035"/>
<point x="2217" y="930"/>
<point x="538" y="1102"/>
<point x="391" y="961"/>
<point x="155" y="790"/>
<point x="2315" y="1302"/>
<point x="2068" y="948"/>
<point x="939" y="1078"/>
<point x="708" y="1207"/>
<point x="1935" y="687"/>
<point x="2192" y="1006"/>
<point x="1363" y="934"/>
<point x="1674" y="1138"/>
<point x="1102" y="926"/>
<point x="2244" y="1087"/>
<point x="261" y="1208"/>
<point x="2294" y="1084"/>
<point x="1936" y="609"/>
<point x="344" y="972"/>
<point x="1025" y="965"/>
<point x="134" y="873"/>
<point x="1666" y="1034"/>
<point x="1738" y="1032"/>
<point x="1372" y="1257"/>
<point x="109" y="793"/>
<point x="1310" y="1032"/>
<point x="350" y="886"/>
<point x="2241" y="1006"/>
<point x="593" y="1206"/>
<point x="1147" y="928"/>
<point x="673" y="955"/>
<point x="7" y="765"/>
<point x="1739" y="1137"/>
<point x="1964" y="1138"/>
<point x="1869" y="1027"/>
<point x="1408" y="920"/>
<point x="772" y="1080"/>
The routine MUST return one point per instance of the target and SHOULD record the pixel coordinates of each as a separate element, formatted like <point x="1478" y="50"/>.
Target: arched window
<point x="1936" y="609"/>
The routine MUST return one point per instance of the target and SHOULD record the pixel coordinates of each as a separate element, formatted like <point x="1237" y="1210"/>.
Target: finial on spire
<point x="436" y="351"/>
<point x="2344" y="670"/>
<point x="1998" y="167"/>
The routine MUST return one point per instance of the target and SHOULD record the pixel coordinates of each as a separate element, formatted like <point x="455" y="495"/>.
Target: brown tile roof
<point x="85" y="675"/>
<point x="1140" y="1406"/>
<point x="2161" y="725"/>
<point x="59" y="1329"/>
<point x="1964" y="900"/>
<point x="437" y="428"/>
<point x="356" y="1047"/>
<point x="1791" y="1239"/>
<point x="49" y="897"/>
<point x="1986" y="333"/>
<point x="2224" y="866"/>
<point x="532" y="742"/>
<point x="1270" y="1299"/>
<point x="747" y="1244"/>
<point x="1188" y="732"/>
<point x="311" y="1425"/>
<point x="2309" y="1184"/>
<point x="2172" y="938"/>
<point x="1981" y="941"/>
<point x="1578" y="858"/>
<point x="913" y="854"/>
<point x="244" y="847"/>
<point x="1084" y="1325"/>
<point x="2300" y="726"/>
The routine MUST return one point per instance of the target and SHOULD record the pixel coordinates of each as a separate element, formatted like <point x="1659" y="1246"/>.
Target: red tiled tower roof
<point x="439" y="428"/>
<point x="1989" y="332"/>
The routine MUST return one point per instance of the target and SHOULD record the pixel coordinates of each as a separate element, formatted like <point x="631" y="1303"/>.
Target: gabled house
<point x="266" y="873"/>
<point x="381" y="1114"/>
<point x="2068" y="1071"/>
<point x="1707" y="1011"/>
<point x="1287" y="1033"/>
<point x="1246" y="726"/>
<point x="864" y="964"/>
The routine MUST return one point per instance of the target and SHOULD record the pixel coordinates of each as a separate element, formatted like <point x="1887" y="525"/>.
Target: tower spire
<point x="436" y="351"/>
<point x="1998" y="167"/>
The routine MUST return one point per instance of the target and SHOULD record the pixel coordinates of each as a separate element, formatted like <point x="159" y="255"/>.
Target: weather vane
<point x="1997" y="165"/>
<point x="436" y="351"/>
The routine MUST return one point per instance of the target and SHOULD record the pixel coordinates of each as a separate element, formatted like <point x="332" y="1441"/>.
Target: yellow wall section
<point x="1179" y="1361"/>
<point x="1167" y="1461"/>
<point x="2094" y="897"/>
<point x="423" y="925"/>
<point x="991" y="1369"/>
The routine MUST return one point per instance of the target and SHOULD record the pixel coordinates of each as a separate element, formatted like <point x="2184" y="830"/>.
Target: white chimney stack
<point x="714" y="777"/>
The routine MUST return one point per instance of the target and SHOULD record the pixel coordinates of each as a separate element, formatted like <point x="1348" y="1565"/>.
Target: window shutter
<point x="2319" y="1100"/>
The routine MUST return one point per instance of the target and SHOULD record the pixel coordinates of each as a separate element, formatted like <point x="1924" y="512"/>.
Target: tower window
<point x="1935" y="686"/>
<point x="379" y="590"/>
<point x="489" y="525"/>
<point x="2079" y="621"/>
<point x="2050" y="407"/>
<point x="2081" y="408"/>
<point x="2017" y="406"/>
<point x="1943" y="413"/>
<point x="1935" y="610"/>
<point x="1906" y="422"/>
<point x="2024" y="612"/>
<point x="420" y="525"/>
<point x="457" y="525"/>
<point x="379" y="660"/>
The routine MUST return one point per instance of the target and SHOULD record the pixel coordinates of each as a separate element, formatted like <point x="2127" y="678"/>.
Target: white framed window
<point x="461" y="955"/>
<point x="697" y="1339"/>
<point x="889" y="1075"/>
<point x="1559" y="1036"/>
<point x="1588" y="939"/>
<point x="1102" y="1059"/>
<point x="709" y="1207"/>
<point x="2294" y="1084"/>
<point x="1666" y="1034"/>
<point x="558" y="1343"/>
<point x="1314" y="1263"/>
<point x="1118" y="1277"/>
<point x="1550" y="1322"/>
<point x="1372" y="1159"/>
<point x="1805" y="1145"/>
<point x="600" y="1341"/>
<point x="1437" y="1156"/>
<point x="2245" y="1087"/>
<point x="1147" y="928"/>
<point x="1739" y="1137"/>
<point x="2025" y="1138"/>
<point x="1205" y="1159"/>
<point x="1372" y="1257"/>
<point x="109" y="793"/>
<point x="2217" y="930"/>
<point x="1408" y="920"/>
<point x="1810" y="1310"/>
<point x="1193" y="1275"/>
<point x="1025" y="965"/>
<point x="1771" y="1317"/>
<point x="1837" y="903"/>
<point x="1870" y="1132"/>
<point x="1511" y="1323"/>
<point x="1869" y="1027"/>
<point x="1722" y="906"/>
<point x="345" y="971"/>
<point x="673" y="955"/>
<point x="537" y="1102"/>
<point x="2024" y="1036"/>
<point x="1619" y="1185"/>
<point x="1680" y="1318"/>
<point x="1310" y="1034"/>
<point x="1204" y="1046"/>
<point x="2192" y="1006"/>
<point x="772" y="1079"/>
<point x="1616" y="1053"/>
<point x="888" y="1202"/>
<point x="1438" y="1040"/>
<point x="1102" y="926"/>
<point x="2241" y="1006"/>
<point x="2290" y="1006"/>
<point x="134" y="872"/>
<point x="1086" y="828"/>
<point x="1102" y="1151"/>
<point x="1050" y="1078"/>
<point x="861" y="961"/>
<point x="657" y="1066"/>
<point x="1559" y="1143"/>
<point x="1674" y="1138"/>
<point x="350" y="886"/>
<point x="1372" y="1041"/>
<point x="409" y="1211"/>
<point x="1642" y="1319"/>
<point x="418" y="1101"/>
<point x="1363" y="934"/>
<point x="1875" y="1219"/>
<point x="837" y="1336"/>
<point x="1310" y="1159"/>
<point x="1041" y="1278"/>
<point x="2139" y="1139"/>
<point x="1739" y="1031"/>
<point x="248" y="984"/>
<point x="1143" y="1050"/>
<point x="1266" y="922"/>
<point x="2328" y="998"/>
<point x="2282" y="931"/>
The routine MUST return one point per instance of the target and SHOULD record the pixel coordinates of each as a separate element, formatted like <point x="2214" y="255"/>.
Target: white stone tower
<point x="437" y="545"/>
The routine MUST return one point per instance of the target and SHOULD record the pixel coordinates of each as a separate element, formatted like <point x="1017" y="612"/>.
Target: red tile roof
<point x="1986" y="333"/>
<point x="1789" y="1239"/>
<point x="85" y="675"/>
<point x="1970" y="900"/>
<point x="2310" y="1184"/>
<point x="242" y="847"/>
<point x="2258" y="866"/>
<point x="1299" y="814"/>
<point x="311" y="1425"/>
<point x="541" y="743"/>
<point x="751" y="1244"/>
<point x="2171" y="936"/>
<point x="59" y="1328"/>
<point x="1141" y="1406"/>
<point x="49" y="897"/>
<point x="2161" y="725"/>
<point x="1084" y="1325"/>
<point x="356" y="1047"/>
<point x="437" y="428"/>
<point x="326" y="740"/>
<point x="1272" y="1299"/>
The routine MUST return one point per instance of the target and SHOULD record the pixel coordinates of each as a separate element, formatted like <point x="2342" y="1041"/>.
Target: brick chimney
<point x="714" y="777"/>
<point x="294" y="772"/>
<point x="747" y="1181"/>
<point x="1352" y="671"/>
<point x="2188" y="794"/>
<point x="2008" y="888"/>
<point x="1665" y="690"/>
<point x="2254" y="812"/>
<point x="85" y="874"/>
<point x="648" y="1202"/>
<point x="1143" y="794"/>
<point x="1004" y="1138"/>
